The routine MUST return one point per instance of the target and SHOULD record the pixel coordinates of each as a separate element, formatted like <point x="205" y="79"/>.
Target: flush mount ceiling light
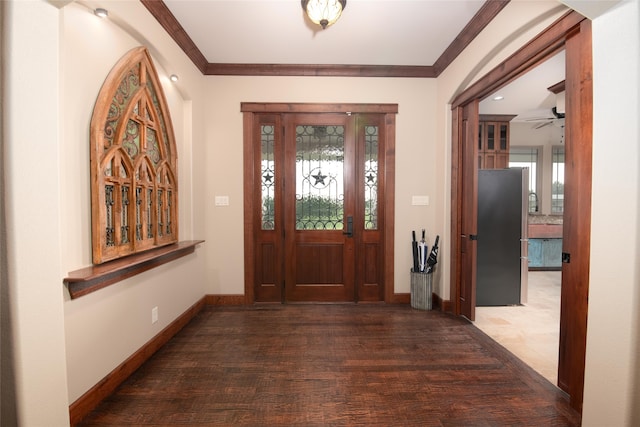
<point x="173" y="78"/>
<point x="102" y="13"/>
<point x="323" y="12"/>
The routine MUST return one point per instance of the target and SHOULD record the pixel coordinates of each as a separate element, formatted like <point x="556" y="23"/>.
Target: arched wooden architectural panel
<point x="134" y="188"/>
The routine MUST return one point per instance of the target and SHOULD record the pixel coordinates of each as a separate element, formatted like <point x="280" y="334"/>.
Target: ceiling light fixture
<point x="102" y="13"/>
<point x="324" y="12"/>
<point x="173" y="78"/>
<point x="498" y="98"/>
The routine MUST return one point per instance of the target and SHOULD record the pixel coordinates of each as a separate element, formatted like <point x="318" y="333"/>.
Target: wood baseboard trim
<point x="211" y="299"/>
<point x="440" y="304"/>
<point x="90" y="400"/>
<point x="401" y="299"/>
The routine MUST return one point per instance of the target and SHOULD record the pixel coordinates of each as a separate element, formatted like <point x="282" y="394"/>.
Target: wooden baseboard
<point x="211" y="299"/>
<point x="440" y="304"/>
<point x="90" y="400"/>
<point x="400" y="299"/>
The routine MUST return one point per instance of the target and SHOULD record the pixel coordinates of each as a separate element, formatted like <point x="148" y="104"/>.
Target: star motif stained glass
<point x="319" y="177"/>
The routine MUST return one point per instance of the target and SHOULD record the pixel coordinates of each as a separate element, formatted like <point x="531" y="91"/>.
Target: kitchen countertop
<point x="545" y="219"/>
<point x="545" y="227"/>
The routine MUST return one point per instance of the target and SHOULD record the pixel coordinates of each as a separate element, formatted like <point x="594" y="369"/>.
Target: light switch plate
<point x="222" y="200"/>
<point x="420" y="200"/>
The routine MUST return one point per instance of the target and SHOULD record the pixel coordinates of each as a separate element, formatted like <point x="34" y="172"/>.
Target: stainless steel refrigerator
<point x="502" y="262"/>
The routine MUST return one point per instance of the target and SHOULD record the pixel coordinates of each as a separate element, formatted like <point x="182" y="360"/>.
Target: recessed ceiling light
<point x="173" y="78"/>
<point x="102" y="13"/>
<point x="498" y="98"/>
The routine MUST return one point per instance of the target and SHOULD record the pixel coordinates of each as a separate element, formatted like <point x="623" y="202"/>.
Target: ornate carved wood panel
<point x="134" y="188"/>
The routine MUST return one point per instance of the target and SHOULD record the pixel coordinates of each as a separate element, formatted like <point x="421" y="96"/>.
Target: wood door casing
<point x="469" y="210"/>
<point x="373" y="249"/>
<point x="571" y="32"/>
<point x="576" y="243"/>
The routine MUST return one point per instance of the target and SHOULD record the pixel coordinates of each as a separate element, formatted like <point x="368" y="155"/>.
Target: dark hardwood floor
<point x="333" y="365"/>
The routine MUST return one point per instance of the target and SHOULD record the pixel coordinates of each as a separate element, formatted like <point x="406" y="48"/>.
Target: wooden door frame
<point x="542" y="47"/>
<point x="249" y="109"/>
<point x="465" y="123"/>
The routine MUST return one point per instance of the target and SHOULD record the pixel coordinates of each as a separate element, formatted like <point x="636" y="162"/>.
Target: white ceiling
<point x="369" y="32"/>
<point x="527" y="96"/>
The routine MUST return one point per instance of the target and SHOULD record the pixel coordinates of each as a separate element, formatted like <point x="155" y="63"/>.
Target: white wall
<point x="415" y="150"/>
<point x="58" y="60"/>
<point x="32" y="173"/>
<point x="612" y="379"/>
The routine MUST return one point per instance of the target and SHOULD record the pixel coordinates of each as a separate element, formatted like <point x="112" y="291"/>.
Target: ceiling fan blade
<point x="541" y="125"/>
<point x="538" y="119"/>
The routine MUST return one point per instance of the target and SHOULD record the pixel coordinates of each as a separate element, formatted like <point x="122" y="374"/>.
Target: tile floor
<point x="530" y="331"/>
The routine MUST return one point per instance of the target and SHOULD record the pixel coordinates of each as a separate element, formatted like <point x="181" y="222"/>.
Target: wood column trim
<point x="577" y="218"/>
<point x="389" y="206"/>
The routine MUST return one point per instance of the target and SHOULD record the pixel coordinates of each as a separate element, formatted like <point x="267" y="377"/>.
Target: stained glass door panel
<point x="319" y="208"/>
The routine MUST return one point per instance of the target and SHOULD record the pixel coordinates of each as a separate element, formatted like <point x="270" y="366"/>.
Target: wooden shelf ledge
<point x="90" y="279"/>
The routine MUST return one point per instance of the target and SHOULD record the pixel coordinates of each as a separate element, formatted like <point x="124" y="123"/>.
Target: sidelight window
<point x="371" y="178"/>
<point x="268" y="175"/>
<point x="527" y="157"/>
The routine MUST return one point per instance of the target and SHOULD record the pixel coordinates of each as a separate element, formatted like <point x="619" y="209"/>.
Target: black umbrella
<point x="414" y="247"/>
<point x="422" y="252"/>
<point x="433" y="257"/>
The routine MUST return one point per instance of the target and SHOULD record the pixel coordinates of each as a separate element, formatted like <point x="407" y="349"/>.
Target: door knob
<point x="349" y="231"/>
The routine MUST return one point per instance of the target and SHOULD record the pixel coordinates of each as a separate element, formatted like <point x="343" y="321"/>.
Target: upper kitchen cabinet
<point x="493" y="141"/>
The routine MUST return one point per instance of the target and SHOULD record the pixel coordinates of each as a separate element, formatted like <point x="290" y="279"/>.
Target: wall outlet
<point x="154" y="315"/>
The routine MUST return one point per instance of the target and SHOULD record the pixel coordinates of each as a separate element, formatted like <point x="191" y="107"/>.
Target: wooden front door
<point x="316" y="198"/>
<point x="319" y="207"/>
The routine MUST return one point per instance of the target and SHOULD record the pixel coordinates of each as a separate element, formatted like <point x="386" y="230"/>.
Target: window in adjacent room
<point x="527" y="157"/>
<point x="557" y="180"/>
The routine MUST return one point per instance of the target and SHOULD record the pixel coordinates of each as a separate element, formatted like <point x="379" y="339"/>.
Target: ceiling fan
<point x="555" y="118"/>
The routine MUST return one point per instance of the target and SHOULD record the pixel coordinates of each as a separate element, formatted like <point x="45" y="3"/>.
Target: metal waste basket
<point x="421" y="290"/>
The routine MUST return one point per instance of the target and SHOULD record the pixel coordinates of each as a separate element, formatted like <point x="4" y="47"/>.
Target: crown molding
<point x="480" y="20"/>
